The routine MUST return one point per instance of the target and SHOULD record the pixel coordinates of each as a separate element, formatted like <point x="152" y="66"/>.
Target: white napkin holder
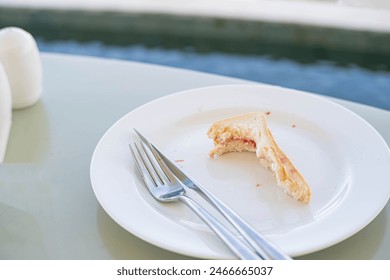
<point x="20" y="57"/>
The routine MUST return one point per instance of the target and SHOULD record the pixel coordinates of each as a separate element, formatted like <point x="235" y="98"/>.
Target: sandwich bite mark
<point x="249" y="132"/>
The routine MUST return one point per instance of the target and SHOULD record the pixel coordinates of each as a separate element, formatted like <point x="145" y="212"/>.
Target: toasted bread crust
<point x="249" y="132"/>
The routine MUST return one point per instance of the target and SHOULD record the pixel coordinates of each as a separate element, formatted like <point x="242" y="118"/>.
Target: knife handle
<point x="258" y="241"/>
<point x="240" y="249"/>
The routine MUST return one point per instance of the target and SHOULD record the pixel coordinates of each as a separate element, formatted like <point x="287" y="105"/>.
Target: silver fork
<point x="261" y="245"/>
<point x="164" y="187"/>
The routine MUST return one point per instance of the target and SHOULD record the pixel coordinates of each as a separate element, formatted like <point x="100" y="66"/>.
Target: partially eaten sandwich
<point x="249" y="132"/>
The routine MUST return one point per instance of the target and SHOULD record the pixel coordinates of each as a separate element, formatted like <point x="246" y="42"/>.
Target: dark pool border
<point x="301" y="42"/>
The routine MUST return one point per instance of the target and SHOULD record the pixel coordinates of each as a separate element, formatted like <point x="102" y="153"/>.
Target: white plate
<point x="343" y="158"/>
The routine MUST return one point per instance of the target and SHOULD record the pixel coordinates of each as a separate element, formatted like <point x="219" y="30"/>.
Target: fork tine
<point x="137" y="164"/>
<point x="155" y="163"/>
<point x="141" y="165"/>
<point x="163" y="167"/>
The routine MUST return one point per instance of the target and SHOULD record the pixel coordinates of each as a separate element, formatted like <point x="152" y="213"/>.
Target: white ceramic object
<point x="348" y="173"/>
<point x="22" y="63"/>
<point x="5" y="112"/>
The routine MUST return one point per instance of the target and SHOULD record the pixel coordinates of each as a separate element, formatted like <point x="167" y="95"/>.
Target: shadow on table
<point x="29" y="135"/>
<point x="124" y="245"/>
<point x="21" y="240"/>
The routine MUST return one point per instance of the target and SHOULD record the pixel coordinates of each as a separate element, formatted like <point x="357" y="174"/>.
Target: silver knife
<point x="258" y="241"/>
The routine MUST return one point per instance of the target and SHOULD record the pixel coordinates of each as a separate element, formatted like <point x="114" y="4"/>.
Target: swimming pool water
<point x="350" y="82"/>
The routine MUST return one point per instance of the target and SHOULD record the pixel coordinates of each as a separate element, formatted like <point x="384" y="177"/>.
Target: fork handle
<point x="238" y="247"/>
<point x="258" y="241"/>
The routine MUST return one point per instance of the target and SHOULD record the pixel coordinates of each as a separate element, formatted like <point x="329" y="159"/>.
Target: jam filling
<point x="248" y="142"/>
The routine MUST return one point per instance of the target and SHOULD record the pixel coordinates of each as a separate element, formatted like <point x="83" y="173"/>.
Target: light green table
<point x="47" y="206"/>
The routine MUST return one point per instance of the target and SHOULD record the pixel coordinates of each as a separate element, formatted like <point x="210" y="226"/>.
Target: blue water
<point x="327" y="78"/>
